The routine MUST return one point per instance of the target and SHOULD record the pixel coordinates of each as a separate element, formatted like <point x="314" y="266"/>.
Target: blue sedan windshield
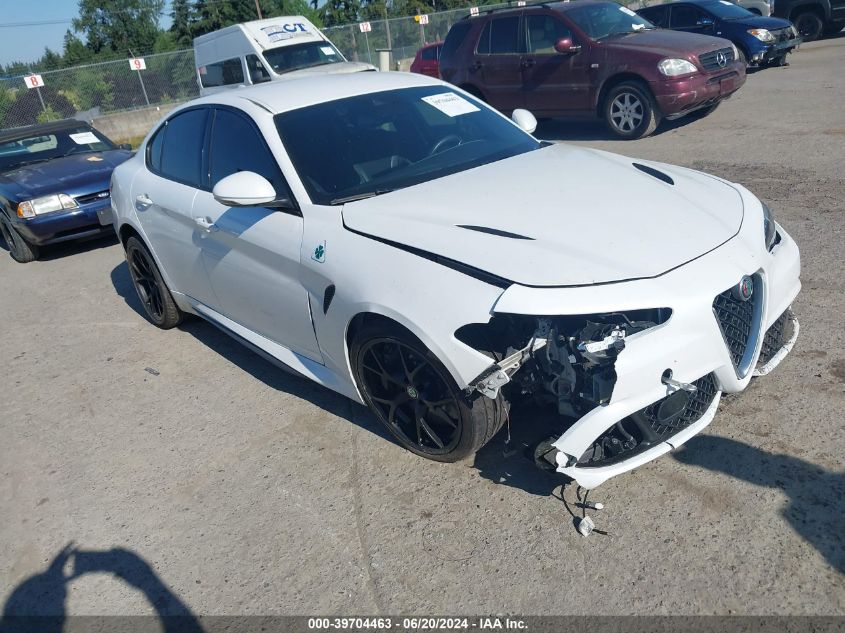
<point x="43" y="146"/>
<point x="374" y="143"/>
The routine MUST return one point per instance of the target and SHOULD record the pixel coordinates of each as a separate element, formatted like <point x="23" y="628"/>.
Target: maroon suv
<point x="587" y="58"/>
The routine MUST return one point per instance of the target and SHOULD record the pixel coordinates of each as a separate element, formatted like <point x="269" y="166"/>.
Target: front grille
<point x="736" y="320"/>
<point x="715" y="60"/>
<point x="775" y="337"/>
<point x="649" y="427"/>
<point x="93" y="197"/>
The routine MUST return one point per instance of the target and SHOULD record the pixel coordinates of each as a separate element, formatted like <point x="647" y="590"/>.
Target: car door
<point x="252" y="253"/>
<point x="498" y="60"/>
<point x="690" y="18"/>
<point x="553" y="81"/>
<point x="163" y="195"/>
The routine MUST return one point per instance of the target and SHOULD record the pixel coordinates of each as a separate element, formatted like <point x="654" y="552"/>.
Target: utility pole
<point x="258" y="10"/>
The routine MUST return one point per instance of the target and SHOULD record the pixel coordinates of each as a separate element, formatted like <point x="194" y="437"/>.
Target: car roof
<point x="282" y="96"/>
<point x="14" y="134"/>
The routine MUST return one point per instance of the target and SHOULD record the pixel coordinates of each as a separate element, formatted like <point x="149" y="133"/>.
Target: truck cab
<point x="266" y="50"/>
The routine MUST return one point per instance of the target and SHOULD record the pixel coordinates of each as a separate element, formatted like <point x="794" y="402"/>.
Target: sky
<point x="27" y="42"/>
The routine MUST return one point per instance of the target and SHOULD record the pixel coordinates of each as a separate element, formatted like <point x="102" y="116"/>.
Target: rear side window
<point x="457" y="34"/>
<point x="429" y="54"/>
<point x="223" y="73"/>
<point x="236" y="145"/>
<point x="685" y="17"/>
<point x="656" y="15"/>
<point x="182" y="145"/>
<point x="500" y="37"/>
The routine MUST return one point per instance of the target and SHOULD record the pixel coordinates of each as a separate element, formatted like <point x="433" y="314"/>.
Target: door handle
<point x="475" y="65"/>
<point x="143" y="201"/>
<point x="527" y="63"/>
<point x="206" y="224"/>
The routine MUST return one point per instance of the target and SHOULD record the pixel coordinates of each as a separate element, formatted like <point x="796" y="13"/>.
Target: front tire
<point x="159" y="306"/>
<point x="630" y="111"/>
<point x="415" y="397"/>
<point x="809" y="25"/>
<point x="20" y="250"/>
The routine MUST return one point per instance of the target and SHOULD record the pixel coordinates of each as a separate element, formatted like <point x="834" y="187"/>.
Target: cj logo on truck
<point x="744" y="289"/>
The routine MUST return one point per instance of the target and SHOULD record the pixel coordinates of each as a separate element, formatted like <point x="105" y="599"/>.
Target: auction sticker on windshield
<point x="84" y="138"/>
<point x="450" y="104"/>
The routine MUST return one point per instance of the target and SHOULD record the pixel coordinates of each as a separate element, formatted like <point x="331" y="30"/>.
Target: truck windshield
<point x="607" y="19"/>
<point x="370" y="144"/>
<point x="284" y="59"/>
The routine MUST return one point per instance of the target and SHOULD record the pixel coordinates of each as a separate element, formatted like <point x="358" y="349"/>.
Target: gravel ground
<point x="143" y="470"/>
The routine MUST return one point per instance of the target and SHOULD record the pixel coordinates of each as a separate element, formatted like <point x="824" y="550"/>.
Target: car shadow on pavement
<point x="37" y="604"/>
<point x="816" y="497"/>
<point x="508" y="459"/>
<point x="66" y="249"/>
<point x="258" y="367"/>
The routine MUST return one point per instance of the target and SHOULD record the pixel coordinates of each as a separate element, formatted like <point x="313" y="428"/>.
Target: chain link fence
<point x="92" y="90"/>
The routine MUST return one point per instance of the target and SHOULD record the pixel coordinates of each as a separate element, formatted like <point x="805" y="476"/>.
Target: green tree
<point x="183" y="17"/>
<point x="74" y="51"/>
<point x="118" y="25"/>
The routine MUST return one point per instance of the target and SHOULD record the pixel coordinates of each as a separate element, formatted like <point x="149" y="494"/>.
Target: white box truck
<point x="266" y="50"/>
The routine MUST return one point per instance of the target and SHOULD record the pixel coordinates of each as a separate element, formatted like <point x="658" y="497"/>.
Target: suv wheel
<point x="629" y="111"/>
<point x="415" y="398"/>
<point x="809" y="25"/>
<point x="20" y="250"/>
<point x="158" y="303"/>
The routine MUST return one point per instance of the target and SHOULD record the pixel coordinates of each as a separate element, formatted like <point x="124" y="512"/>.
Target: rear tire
<point x="21" y="251"/>
<point x="629" y="111"/>
<point x="159" y="306"/>
<point x="415" y="397"/>
<point x="809" y="25"/>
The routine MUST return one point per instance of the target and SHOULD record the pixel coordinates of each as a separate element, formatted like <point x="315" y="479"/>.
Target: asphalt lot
<point x="190" y="475"/>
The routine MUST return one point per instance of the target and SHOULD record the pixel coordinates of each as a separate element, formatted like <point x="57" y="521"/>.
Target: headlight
<point x="47" y="204"/>
<point x="675" y="67"/>
<point x="769" y="228"/>
<point x="762" y="34"/>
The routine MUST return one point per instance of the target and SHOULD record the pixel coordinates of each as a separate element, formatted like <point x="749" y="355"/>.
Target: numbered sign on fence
<point x="520" y="3"/>
<point x="137" y="63"/>
<point x="33" y="81"/>
<point x="365" y="27"/>
<point x="422" y="19"/>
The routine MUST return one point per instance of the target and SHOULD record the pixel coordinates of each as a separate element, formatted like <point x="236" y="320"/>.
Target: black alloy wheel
<point x="158" y="303"/>
<point x="411" y="396"/>
<point x="809" y="25"/>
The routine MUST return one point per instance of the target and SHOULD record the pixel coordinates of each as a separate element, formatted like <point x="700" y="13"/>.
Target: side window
<point x="223" y="73"/>
<point x="154" y="150"/>
<point x="429" y="54"/>
<point x="657" y="16"/>
<point x="257" y="73"/>
<point x="236" y="145"/>
<point x="504" y="35"/>
<point x="543" y="32"/>
<point x="685" y="17"/>
<point x="181" y="152"/>
<point x="455" y="37"/>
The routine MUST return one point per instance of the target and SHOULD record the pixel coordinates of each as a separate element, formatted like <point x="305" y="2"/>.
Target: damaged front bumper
<point x="664" y="382"/>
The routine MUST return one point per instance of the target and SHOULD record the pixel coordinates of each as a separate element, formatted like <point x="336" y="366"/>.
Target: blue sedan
<point x="54" y="185"/>
<point x="760" y="40"/>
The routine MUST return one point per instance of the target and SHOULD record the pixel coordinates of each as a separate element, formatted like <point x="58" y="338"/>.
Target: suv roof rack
<point x="508" y="8"/>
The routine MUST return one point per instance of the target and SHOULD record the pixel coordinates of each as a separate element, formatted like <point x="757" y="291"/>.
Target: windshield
<point x="297" y="56"/>
<point x="375" y="143"/>
<point x="725" y="10"/>
<point x="42" y="147"/>
<point x="604" y="20"/>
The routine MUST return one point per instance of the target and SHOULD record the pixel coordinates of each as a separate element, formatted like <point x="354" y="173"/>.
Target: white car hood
<point x="337" y="68"/>
<point x="591" y="216"/>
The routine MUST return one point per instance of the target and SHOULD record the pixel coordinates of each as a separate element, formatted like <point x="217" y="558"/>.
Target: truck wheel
<point x="630" y="111"/>
<point x="809" y="25"/>
<point x="414" y="396"/>
<point x="20" y="250"/>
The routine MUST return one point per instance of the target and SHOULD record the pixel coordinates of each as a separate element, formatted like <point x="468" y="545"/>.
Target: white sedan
<point x="394" y="239"/>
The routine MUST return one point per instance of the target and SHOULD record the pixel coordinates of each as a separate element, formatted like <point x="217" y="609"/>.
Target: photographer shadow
<point x="38" y="603"/>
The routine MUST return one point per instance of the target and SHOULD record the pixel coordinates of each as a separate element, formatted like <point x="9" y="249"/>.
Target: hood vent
<point x="651" y="171"/>
<point x="497" y="232"/>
